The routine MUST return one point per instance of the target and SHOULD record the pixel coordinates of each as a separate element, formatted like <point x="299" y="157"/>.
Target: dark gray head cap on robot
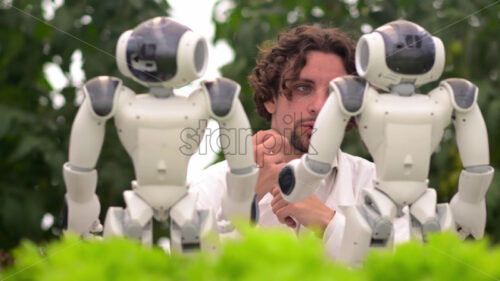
<point x="151" y="51"/>
<point x="409" y="48"/>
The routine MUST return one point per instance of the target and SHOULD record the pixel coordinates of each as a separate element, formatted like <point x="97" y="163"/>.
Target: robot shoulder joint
<point x="463" y="93"/>
<point x="102" y="93"/>
<point x="350" y="91"/>
<point x="222" y="93"/>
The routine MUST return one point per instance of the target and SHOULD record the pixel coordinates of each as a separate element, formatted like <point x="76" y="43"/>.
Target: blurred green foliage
<point x="259" y="255"/>
<point x="468" y="29"/>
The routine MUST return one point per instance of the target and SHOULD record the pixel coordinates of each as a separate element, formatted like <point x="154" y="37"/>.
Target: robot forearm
<point x="236" y="142"/>
<point x="239" y="199"/>
<point x="301" y="177"/>
<point x="468" y="205"/>
<point x="474" y="183"/>
<point x="82" y="203"/>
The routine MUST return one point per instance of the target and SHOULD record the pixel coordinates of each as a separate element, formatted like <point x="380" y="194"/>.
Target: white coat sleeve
<point x="354" y="174"/>
<point x="210" y="186"/>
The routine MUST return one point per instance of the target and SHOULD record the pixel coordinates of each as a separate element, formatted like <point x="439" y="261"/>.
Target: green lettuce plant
<point x="258" y="255"/>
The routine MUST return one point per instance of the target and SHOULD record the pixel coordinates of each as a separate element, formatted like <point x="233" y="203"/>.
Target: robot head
<point x="161" y="52"/>
<point x="399" y="52"/>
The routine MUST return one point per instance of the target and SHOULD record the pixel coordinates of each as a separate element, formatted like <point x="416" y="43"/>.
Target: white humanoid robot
<point x="401" y="129"/>
<point x="162" y="55"/>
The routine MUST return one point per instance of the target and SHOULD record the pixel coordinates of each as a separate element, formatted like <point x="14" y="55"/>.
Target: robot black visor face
<point x="409" y="49"/>
<point x="152" y="50"/>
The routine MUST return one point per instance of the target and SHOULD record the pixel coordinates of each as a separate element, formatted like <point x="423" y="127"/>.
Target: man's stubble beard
<point x="298" y="139"/>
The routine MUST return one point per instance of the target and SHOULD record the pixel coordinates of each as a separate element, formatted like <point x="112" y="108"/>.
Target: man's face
<point x="294" y="118"/>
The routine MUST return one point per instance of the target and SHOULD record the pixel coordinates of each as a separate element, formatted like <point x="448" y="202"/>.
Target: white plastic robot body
<point x="151" y="130"/>
<point x="401" y="133"/>
<point x="401" y="129"/>
<point x="157" y="134"/>
<point x="160" y="131"/>
<point x="372" y="53"/>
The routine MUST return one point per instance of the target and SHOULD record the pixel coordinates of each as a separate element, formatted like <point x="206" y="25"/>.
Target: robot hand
<point x="297" y="180"/>
<point x="468" y="205"/>
<point x="83" y="218"/>
<point x="239" y="201"/>
<point x="469" y="217"/>
<point x="246" y="210"/>
<point x="82" y="204"/>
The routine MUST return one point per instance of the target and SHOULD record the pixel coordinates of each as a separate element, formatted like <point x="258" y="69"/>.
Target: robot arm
<point x="236" y="141"/>
<point x="300" y="178"/>
<point x="87" y="136"/>
<point x="468" y="205"/>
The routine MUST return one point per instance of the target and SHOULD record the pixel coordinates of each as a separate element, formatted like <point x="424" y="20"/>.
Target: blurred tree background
<point x="35" y="127"/>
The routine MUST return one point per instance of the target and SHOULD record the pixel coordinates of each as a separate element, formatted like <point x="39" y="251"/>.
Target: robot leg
<point x="428" y="217"/>
<point x="423" y="215"/>
<point x="445" y="216"/>
<point x="367" y="225"/>
<point x="135" y="221"/>
<point x="191" y="229"/>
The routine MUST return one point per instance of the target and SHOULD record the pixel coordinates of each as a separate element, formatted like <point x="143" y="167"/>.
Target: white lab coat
<point x="342" y="187"/>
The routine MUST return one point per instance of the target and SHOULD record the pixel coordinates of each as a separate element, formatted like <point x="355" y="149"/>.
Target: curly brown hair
<point x="268" y="76"/>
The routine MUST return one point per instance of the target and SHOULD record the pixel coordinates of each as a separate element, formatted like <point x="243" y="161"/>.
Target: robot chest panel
<point x="385" y="109"/>
<point x="150" y="122"/>
<point x="401" y="133"/>
<point x="148" y="112"/>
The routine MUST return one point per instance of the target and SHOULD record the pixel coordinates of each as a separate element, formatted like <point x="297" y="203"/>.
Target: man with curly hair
<point x="291" y="84"/>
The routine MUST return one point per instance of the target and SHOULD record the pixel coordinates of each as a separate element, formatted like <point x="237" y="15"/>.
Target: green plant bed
<point x="260" y="255"/>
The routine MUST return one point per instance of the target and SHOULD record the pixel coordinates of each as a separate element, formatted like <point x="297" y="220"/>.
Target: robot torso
<point x="401" y="133"/>
<point x="157" y="133"/>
